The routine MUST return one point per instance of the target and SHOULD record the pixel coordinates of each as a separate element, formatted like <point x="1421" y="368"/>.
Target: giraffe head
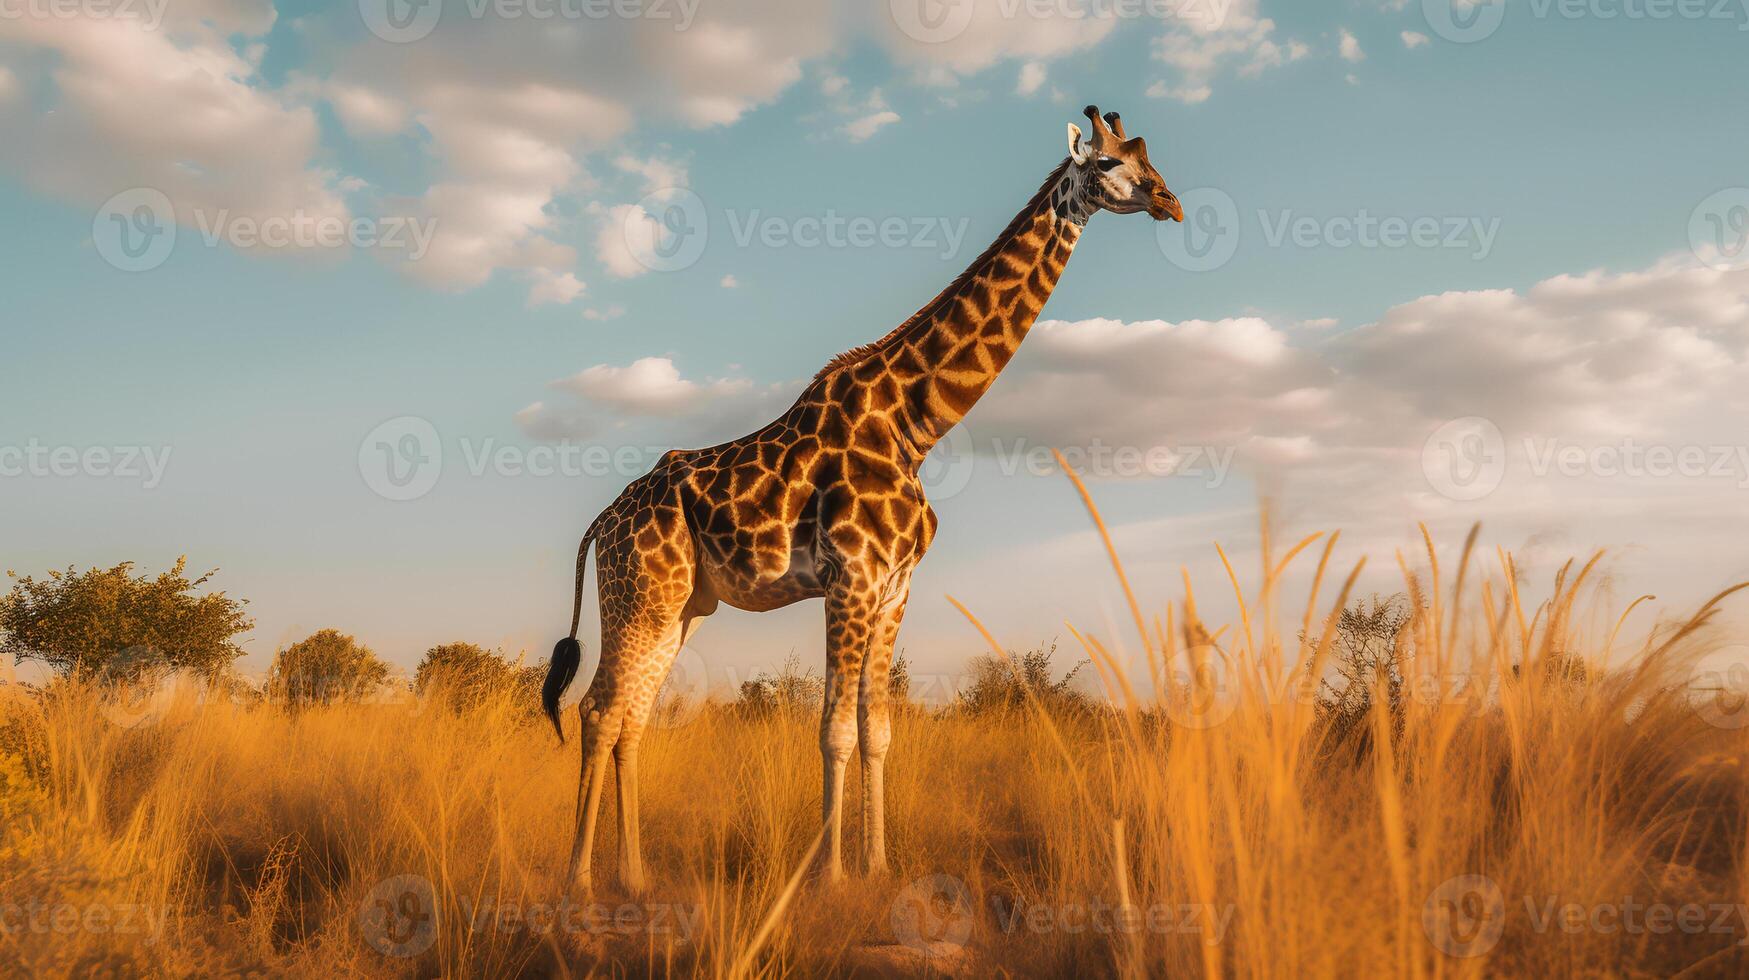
<point x="1114" y="172"/>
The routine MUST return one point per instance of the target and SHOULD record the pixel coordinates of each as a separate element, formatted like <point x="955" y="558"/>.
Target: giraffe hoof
<point x="830" y="875"/>
<point x="633" y="883"/>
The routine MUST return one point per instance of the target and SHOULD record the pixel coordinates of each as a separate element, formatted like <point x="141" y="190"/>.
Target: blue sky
<point x="1573" y="164"/>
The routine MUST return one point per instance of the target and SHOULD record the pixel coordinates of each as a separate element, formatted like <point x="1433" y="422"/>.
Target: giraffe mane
<point x="1023" y="220"/>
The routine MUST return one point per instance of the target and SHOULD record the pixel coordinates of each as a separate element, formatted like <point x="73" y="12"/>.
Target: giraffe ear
<point x="1077" y="152"/>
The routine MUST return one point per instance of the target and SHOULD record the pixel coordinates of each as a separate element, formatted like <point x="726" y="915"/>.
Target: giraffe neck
<point x="948" y="354"/>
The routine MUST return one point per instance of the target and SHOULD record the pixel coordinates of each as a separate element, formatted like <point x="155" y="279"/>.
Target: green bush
<point x="465" y="675"/>
<point x="108" y="624"/>
<point x="326" y="667"/>
<point x="792" y="690"/>
<point x="1002" y="684"/>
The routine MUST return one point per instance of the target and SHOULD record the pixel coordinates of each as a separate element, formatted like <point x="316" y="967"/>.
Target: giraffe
<point x="823" y="502"/>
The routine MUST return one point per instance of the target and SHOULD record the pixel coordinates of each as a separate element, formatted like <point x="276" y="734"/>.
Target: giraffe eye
<point x="1108" y="164"/>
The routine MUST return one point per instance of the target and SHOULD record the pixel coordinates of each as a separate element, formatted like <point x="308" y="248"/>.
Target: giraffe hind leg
<point x="636" y="654"/>
<point x="625" y="756"/>
<point x="598" y="736"/>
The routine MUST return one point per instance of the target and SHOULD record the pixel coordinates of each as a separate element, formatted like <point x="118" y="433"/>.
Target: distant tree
<point x="323" y="668"/>
<point x="899" y="679"/>
<point x="1368" y="654"/>
<point x="465" y="675"/>
<point x="1368" y="651"/>
<point x="1002" y="683"/>
<point x="111" y="624"/>
<point x="234" y="687"/>
<point x="797" y="690"/>
<point x="792" y="690"/>
<point x="1556" y="666"/>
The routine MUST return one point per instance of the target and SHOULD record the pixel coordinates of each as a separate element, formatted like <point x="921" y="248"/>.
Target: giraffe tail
<point x="567" y="653"/>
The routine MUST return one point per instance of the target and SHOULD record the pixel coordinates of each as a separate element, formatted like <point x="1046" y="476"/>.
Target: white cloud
<point x="647" y="386"/>
<point x="626" y="231"/>
<point x="658" y="174"/>
<point x="862" y="115"/>
<point x="508" y="150"/>
<point x="1659" y="357"/>
<point x="1120" y="382"/>
<point x="1414" y="39"/>
<point x="553" y="287"/>
<point x="507" y="109"/>
<point x="1187" y="94"/>
<point x="612" y="312"/>
<point x="1349" y="47"/>
<point x="178" y="109"/>
<point x="1032" y="75"/>
<point x="366" y="112"/>
<point x="739" y="56"/>
<point x="729" y="282"/>
<point x="864" y="127"/>
<point x="1199" y="52"/>
<point x="970" y="37"/>
<point x="651" y="393"/>
<point x="553" y="424"/>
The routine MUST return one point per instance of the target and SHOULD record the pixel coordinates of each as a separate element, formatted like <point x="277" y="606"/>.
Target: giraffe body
<point x="823" y="502"/>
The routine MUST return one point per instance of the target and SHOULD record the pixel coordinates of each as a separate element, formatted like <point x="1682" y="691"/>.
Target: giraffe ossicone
<point x="825" y="503"/>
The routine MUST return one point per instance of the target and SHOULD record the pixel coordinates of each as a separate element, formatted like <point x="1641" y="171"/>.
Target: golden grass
<point x="1193" y="831"/>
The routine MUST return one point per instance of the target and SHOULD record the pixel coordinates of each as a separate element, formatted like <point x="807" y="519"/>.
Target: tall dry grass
<point x="1217" y="829"/>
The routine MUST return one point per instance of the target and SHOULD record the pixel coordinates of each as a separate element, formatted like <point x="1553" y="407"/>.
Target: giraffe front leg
<point x="850" y="607"/>
<point x="874" y="721"/>
<point x="837" y="742"/>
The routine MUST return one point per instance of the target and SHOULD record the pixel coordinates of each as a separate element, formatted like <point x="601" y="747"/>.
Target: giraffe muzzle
<point x="1164" y="206"/>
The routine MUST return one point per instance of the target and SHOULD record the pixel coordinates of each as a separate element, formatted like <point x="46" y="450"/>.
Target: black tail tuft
<point x="567" y="654"/>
